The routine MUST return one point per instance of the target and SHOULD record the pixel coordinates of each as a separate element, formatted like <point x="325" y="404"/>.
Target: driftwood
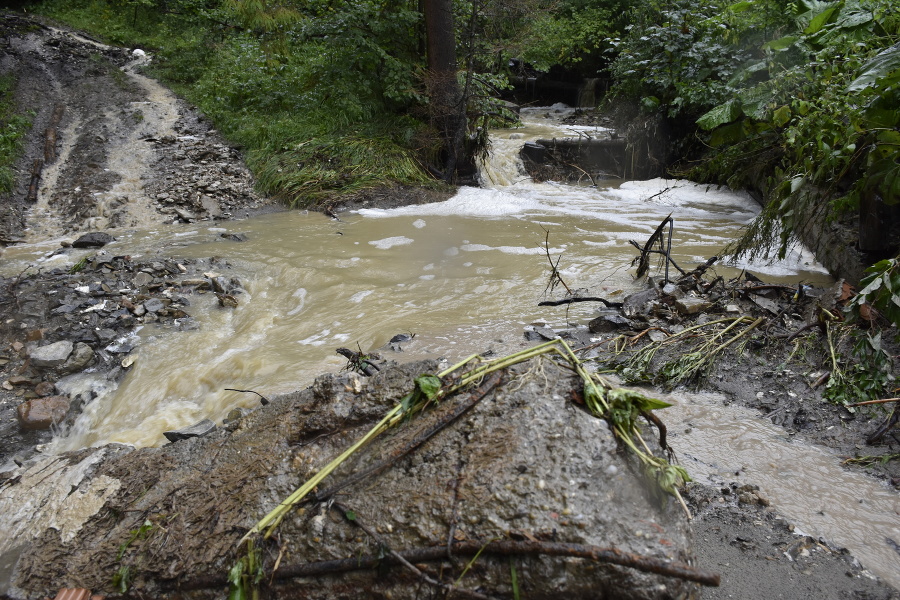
<point x="665" y="249"/>
<point x="581" y="299"/>
<point x="647" y="564"/>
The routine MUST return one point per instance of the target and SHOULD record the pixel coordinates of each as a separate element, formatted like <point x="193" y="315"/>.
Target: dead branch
<point x="656" y="240"/>
<point x="555" y="277"/>
<point x="888" y="424"/>
<point x="611" y="555"/>
<point x="882" y="401"/>
<point x="262" y="399"/>
<point x="581" y="299"/>
<point x="379" y="467"/>
<point x="449" y="588"/>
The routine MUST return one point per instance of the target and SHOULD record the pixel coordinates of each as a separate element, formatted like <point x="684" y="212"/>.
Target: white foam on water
<point x="360" y="296"/>
<point x="300" y="294"/>
<point x="386" y="243"/>
<point x="507" y="249"/>
<point x="317" y="339"/>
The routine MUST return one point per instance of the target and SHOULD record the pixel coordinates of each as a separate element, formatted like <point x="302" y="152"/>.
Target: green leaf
<point x="351" y="516"/>
<point x="820" y="20"/>
<point x="121" y="579"/>
<point x="720" y="115"/>
<point x="727" y="134"/>
<point x="741" y="6"/>
<point x="635" y="399"/>
<point x="429" y="385"/>
<point x="781" y="116"/>
<point x="781" y="43"/>
<point x="883" y="70"/>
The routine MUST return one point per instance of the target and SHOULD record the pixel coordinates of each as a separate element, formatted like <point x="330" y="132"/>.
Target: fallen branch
<point x="449" y="588"/>
<point x="882" y="401"/>
<point x="262" y="399"/>
<point x="473" y="399"/>
<point x="555" y="277"/>
<point x="581" y="299"/>
<point x="647" y="249"/>
<point x="611" y="555"/>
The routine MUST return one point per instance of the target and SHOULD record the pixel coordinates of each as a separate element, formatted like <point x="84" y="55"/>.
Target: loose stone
<point x="42" y="413"/>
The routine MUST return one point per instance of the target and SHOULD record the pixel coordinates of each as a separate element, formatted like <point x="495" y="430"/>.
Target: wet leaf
<point x="882" y="71"/>
<point x="429" y="385"/>
<point x="720" y="115"/>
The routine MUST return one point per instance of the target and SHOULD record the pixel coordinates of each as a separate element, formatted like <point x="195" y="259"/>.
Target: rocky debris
<point x="43" y="413"/>
<point x="68" y="325"/>
<point x="94" y="239"/>
<point x="199" y="429"/>
<point x="524" y="466"/>
<point x="777" y="365"/>
<point x="202" y="178"/>
<point x="52" y="355"/>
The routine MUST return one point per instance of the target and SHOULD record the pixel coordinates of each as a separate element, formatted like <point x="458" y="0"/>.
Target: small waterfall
<point x="587" y="95"/>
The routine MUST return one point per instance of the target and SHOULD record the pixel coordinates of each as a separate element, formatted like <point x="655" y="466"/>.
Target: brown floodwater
<point x="720" y="443"/>
<point x="464" y="276"/>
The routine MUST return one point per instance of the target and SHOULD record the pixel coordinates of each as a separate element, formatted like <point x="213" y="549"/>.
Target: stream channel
<point x="464" y="276"/>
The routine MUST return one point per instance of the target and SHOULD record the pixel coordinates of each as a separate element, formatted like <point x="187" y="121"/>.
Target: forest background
<point x="798" y="102"/>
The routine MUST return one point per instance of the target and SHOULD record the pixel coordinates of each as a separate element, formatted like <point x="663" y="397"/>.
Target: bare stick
<point x="555" y="277"/>
<point x="581" y="299"/>
<point x="262" y="399"/>
<point x="612" y="555"/>
<point x="420" y="439"/>
<point x="882" y="401"/>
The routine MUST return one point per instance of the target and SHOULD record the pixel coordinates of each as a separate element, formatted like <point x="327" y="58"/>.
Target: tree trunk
<point x="443" y="90"/>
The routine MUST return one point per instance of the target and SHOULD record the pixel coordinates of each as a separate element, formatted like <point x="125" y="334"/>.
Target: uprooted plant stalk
<point x="689" y="367"/>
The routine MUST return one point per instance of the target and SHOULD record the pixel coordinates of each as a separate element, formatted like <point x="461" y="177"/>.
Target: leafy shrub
<point x="13" y="127"/>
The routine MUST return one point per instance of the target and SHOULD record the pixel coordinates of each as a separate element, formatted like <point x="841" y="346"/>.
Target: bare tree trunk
<point x="443" y="89"/>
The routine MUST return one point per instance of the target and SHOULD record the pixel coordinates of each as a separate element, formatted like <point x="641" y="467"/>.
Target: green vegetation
<point x="326" y="98"/>
<point x="13" y="127"/>
<point x="797" y="100"/>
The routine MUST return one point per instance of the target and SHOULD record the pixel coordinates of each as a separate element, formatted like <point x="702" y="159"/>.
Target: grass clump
<point x="13" y="127"/>
<point x="320" y="109"/>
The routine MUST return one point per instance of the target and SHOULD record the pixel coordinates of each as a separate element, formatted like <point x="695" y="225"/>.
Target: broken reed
<point x="688" y="367"/>
<point x="620" y="407"/>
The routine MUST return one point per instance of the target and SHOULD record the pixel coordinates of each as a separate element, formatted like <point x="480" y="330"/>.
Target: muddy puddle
<point x="721" y="443"/>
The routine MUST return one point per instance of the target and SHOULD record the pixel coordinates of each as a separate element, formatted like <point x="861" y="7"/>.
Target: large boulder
<point x="526" y="465"/>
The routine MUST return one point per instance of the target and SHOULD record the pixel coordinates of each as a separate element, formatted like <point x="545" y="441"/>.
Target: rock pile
<point x="201" y="178"/>
<point x="86" y="319"/>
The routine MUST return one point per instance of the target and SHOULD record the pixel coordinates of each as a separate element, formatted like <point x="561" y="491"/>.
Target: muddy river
<point x="464" y="276"/>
